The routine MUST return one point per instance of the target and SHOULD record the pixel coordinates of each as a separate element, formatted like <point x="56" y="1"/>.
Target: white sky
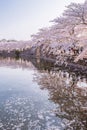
<point x="21" y="18"/>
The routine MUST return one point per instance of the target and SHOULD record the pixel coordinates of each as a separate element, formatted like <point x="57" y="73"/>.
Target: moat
<point x="35" y="95"/>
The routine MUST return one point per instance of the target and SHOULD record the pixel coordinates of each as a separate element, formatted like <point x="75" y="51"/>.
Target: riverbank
<point x="57" y="56"/>
<point x="62" y="61"/>
<point x="69" y="66"/>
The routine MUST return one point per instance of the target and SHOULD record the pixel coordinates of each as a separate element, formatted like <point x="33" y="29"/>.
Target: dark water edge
<point x="80" y="67"/>
<point x="65" y="107"/>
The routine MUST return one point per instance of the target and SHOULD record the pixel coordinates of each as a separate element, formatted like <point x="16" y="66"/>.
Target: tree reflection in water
<point x="69" y="92"/>
<point x="66" y="90"/>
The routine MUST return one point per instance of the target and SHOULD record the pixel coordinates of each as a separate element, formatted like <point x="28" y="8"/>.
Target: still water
<point x="38" y="96"/>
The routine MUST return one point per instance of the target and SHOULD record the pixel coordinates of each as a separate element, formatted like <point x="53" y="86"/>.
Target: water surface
<point x="35" y="96"/>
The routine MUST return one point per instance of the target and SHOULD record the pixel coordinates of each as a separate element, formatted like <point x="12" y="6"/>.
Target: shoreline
<point x="70" y="66"/>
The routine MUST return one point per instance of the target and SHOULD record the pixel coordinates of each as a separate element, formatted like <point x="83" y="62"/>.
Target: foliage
<point x="68" y="30"/>
<point x="17" y="53"/>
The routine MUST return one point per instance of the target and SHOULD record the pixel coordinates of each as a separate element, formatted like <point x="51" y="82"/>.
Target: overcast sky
<point x="21" y="18"/>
